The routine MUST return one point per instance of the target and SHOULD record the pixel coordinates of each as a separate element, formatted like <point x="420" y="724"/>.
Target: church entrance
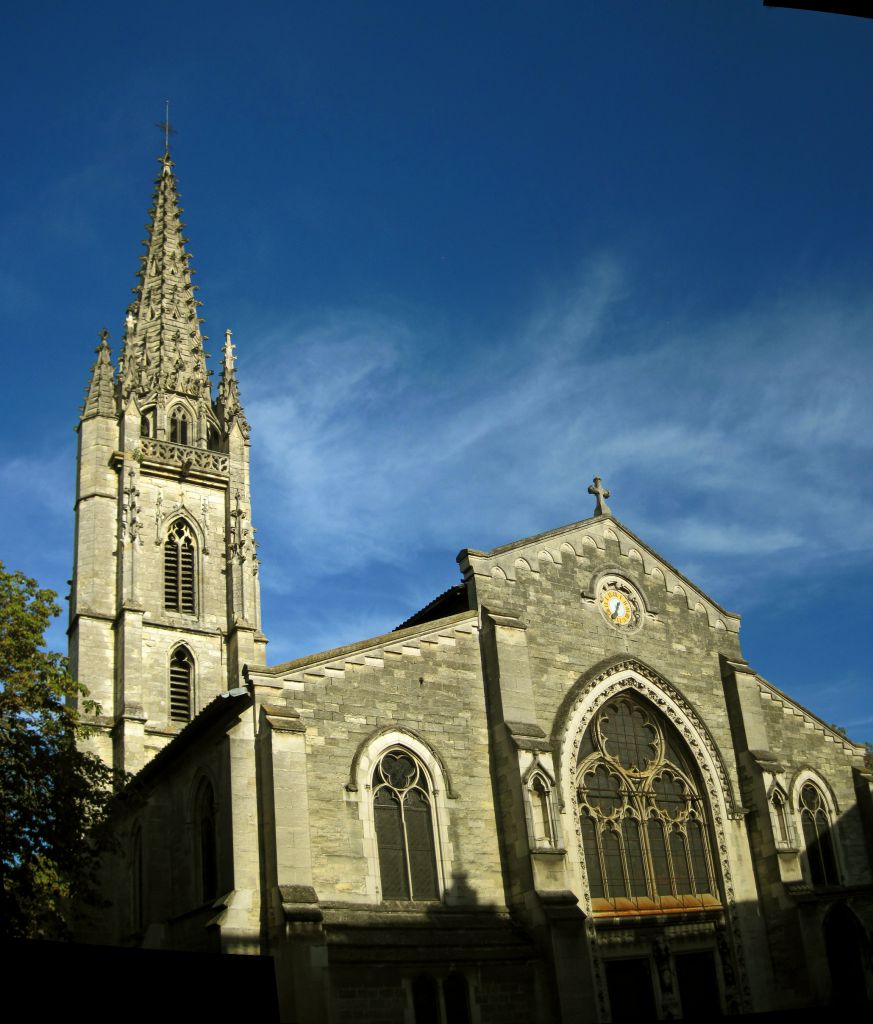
<point x="630" y="989"/>
<point x="847" y="948"/>
<point x="663" y="985"/>
<point x="697" y="982"/>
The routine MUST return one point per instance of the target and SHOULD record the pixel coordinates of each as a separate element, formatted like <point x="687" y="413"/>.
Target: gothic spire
<point x="163" y="346"/>
<point x="229" y="404"/>
<point x="100" y="393"/>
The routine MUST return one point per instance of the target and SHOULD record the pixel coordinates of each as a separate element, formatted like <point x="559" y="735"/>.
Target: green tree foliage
<point x="55" y="797"/>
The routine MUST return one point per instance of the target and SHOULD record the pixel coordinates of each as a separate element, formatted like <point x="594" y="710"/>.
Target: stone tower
<point x="165" y="606"/>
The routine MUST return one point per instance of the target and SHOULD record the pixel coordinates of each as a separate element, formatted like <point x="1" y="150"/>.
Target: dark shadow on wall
<point x="55" y="979"/>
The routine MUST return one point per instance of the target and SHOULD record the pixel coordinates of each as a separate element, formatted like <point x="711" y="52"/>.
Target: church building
<point x="557" y="793"/>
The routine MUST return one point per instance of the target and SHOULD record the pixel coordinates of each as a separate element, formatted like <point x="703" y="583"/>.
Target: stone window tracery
<point x="816" y="827"/>
<point x="179" y="569"/>
<point x="643" y="819"/>
<point x="405" y="835"/>
<point x="179" y="426"/>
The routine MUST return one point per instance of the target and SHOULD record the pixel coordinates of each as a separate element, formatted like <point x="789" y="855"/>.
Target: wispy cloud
<point x="740" y="440"/>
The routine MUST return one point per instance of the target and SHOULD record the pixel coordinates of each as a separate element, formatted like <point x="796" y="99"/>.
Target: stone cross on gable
<point x="601" y="494"/>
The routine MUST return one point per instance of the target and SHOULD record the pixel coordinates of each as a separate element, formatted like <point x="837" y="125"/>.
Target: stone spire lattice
<point x="163" y="346"/>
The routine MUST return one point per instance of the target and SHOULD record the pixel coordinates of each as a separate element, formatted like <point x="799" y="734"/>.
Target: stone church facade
<point x="556" y="793"/>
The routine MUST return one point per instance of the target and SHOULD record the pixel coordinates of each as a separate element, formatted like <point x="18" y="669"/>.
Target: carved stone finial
<point x="100" y="393"/>
<point x="229" y="406"/>
<point x="601" y="494"/>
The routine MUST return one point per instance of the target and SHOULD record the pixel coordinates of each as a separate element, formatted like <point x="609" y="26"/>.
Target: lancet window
<point x="816" y="826"/>
<point x="643" y="818"/>
<point x="540" y="809"/>
<point x="181" y="684"/>
<point x="179" y="426"/>
<point x="781" y="821"/>
<point x="147" y="423"/>
<point x="403" y="811"/>
<point x="137" y="888"/>
<point x="207" y="840"/>
<point x="179" y="569"/>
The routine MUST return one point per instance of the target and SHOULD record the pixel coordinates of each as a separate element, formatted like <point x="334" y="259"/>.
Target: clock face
<point x="620" y="604"/>
<point x="617" y="607"/>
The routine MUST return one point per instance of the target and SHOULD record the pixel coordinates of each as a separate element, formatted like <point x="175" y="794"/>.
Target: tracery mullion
<point x="698" y="853"/>
<point x="614" y="879"/>
<point x="682" y="883"/>
<point x="630" y="823"/>
<point x="661" y="870"/>
<point x="402" y="800"/>
<point x="590" y="828"/>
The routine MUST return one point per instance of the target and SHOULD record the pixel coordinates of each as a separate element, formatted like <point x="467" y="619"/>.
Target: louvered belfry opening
<point x="181" y="677"/>
<point x="179" y="569"/>
<point x="404" y="828"/>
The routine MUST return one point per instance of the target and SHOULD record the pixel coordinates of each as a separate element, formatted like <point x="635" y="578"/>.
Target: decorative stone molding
<point x="183" y="457"/>
<point x="526" y="736"/>
<point x="584" y="544"/>
<point x="377" y="739"/>
<point x="300" y="903"/>
<point x="282" y="718"/>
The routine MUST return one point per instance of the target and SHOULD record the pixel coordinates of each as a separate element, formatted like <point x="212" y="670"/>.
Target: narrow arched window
<point x="147" y="423"/>
<point x="404" y="827"/>
<point x="181" y="684"/>
<point x="137" y="889"/>
<point x="539" y="797"/>
<point x="179" y="569"/>
<point x="425" y="1000"/>
<point x="213" y="439"/>
<point x="179" y="426"/>
<point x="456" y="998"/>
<point x="642" y="816"/>
<point x="207" y="841"/>
<point x="817" y="838"/>
<point x="781" y="823"/>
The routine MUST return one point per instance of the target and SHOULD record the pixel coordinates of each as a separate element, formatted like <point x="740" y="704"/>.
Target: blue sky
<point x="472" y="255"/>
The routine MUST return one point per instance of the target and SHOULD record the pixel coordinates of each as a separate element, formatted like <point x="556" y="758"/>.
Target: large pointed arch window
<point x="817" y="839"/>
<point x="403" y="811"/>
<point x="179" y="569"/>
<point x="643" y="818"/>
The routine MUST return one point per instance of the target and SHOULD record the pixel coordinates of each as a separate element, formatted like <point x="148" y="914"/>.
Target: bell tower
<point x="165" y="601"/>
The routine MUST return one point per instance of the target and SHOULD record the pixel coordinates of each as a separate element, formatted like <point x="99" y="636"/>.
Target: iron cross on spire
<point x="166" y="128"/>
<point x="601" y="494"/>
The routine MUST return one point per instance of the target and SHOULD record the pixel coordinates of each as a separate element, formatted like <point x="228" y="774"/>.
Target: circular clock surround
<point x="620" y="603"/>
